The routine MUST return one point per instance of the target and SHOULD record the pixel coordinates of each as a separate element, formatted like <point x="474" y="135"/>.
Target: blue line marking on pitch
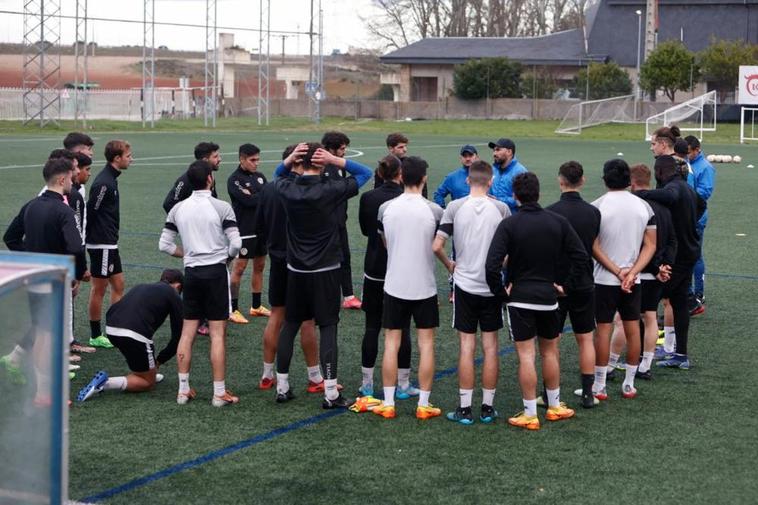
<point x="244" y="444"/>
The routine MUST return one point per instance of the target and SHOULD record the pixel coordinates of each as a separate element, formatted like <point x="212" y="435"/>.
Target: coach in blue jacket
<point x="455" y="183"/>
<point x="506" y="167"/>
<point x="702" y="179"/>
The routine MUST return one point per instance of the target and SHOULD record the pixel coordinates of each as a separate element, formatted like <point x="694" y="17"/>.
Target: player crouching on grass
<point x="534" y="241"/>
<point x="132" y="323"/>
<point x="408" y="224"/>
<point x="471" y="222"/>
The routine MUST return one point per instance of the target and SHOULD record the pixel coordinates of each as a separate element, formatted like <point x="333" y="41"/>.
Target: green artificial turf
<point x="689" y="437"/>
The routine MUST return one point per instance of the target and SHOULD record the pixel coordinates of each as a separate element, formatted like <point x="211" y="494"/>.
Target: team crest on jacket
<point x="260" y="180"/>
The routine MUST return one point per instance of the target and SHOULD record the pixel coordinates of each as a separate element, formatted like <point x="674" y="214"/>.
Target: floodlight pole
<point x="264" y="63"/>
<point x="42" y="68"/>
<point x="639" y="48"/>
<point x="80" y="64"/>
<point x="211" y="64"/>
<point x="148" y="63"/>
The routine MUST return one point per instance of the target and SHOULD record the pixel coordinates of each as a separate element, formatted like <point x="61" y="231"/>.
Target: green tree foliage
<point x="606" y="80"/>
<point x="671" y="68"/>
<point x="489" y="77"/>
<point x="720" y="63"/>
<point x="543" y="85"/>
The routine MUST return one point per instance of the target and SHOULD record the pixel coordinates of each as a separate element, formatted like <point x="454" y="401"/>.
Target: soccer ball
<point x="727" y="158"/>
<point x="711" y="158"/>
<point x="737" y="159"/>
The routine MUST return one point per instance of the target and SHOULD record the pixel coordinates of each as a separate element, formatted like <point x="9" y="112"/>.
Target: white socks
<point x="314" y="374"/>
<point x="647" y="361"/>
<point x="115" y="383"/>
<point x="330" y="389"/>
<point x="488" y="396"/>
<point x="600" y="373"/>
<point x="423" y="398"/>
<point x="219" y="388"/>
<point x="613" y="360"/>
<point x="282" y="383"/>
<point x="404" y="377"/>
<point x="16" y="355"/>
<point x="669" y="339"/>
<point x="530" y="407"/>
<point x="553" y="397"/>
<point x="184" y="383"/>
<point x="389" y="396"/>
<point x="367" y="375"/>
<point x="268" y="370"/>
<point x="465" y="395"/>
<point x="629" y="378"/>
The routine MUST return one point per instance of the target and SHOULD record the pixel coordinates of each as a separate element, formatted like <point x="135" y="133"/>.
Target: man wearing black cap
<point x="506" y="166"/>
<point x="455" y="184"/>
<point x="132" y="323"/>
<point x="682" y="201"/>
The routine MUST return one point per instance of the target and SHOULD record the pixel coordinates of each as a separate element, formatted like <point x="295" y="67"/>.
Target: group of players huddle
<point x="614" y="259"/>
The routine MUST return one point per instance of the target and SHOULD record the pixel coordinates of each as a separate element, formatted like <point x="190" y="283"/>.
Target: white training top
<point x="623" y="221"/>
<point x="408" y="224"/>
<point x="208" y="229"/>
<point x="472" y="221"/>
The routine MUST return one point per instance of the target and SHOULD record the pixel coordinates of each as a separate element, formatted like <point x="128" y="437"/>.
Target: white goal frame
<point x="753" y="135"/>
<point x="590" y="109"/>
<point x="674" y="115"/>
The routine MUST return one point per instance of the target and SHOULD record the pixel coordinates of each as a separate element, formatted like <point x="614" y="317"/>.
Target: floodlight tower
<point x="80" y="63"/>
<point x="211" y="64"/>
<point x="148" y="63"/>
<point x="264" y="62"/>
<point x="314" y="88"/>
<point x="42" y="61"/>
<point x="651" y="26"/>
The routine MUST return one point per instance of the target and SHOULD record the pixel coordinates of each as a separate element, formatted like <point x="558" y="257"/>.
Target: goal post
<point x="747" y="129"/>
<point x="694" y="115"/>
<point x="617" y="109"/>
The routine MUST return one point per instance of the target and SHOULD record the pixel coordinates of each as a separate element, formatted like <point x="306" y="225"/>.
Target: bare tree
<point x="397" y="23"/>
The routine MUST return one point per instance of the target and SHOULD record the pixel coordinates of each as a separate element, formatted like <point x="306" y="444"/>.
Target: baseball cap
<point x="505" y="143"/>
<point x="468" y="148"/>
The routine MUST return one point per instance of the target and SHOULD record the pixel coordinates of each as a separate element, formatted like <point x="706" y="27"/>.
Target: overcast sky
<point x="342" y="26"/>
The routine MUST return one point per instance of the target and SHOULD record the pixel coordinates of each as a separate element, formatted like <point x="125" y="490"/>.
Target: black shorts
<point x="398" y="312"/>
<point x="205" y="294"/>
<point x="315" y="295"/>
<point x="610" y="299"/>
<point x="471" y="311"/>
<point x="372" y="298"/>
<point x="104" y="263"/>
<point x="41" y="302"/>
<point x="277" y="282"/>
<point x="580" y="307"/>
<point x="140" y="356"/>
<point x="525" y="324"/>
<point x="652" y="290"/>
<point x="252" y="248"/>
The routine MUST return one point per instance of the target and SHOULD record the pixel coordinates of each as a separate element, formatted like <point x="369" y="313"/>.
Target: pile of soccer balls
<point x="724" y="158"/>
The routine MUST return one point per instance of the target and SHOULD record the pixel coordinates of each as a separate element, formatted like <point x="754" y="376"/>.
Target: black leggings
<point x="327" y="348"/>
<point x="677" y="291"/>
<point x="370" y="345"/>
<point x="346" y="271"/>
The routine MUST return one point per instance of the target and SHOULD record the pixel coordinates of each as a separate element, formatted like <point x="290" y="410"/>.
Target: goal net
<point x="695" y="115"/>
<point x="618" y="109"/>
<point x="748" y="130"/>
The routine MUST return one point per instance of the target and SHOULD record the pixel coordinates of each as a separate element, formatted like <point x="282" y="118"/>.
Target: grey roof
<point x="561" y="48"/>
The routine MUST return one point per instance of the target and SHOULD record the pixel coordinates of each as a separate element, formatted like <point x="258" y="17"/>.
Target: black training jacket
<point x="584" y="218"/>
<point x="375" y="261"/>
<point x="103" y="208"/>
<point x="245" y="205"/>
<point x="181" y="190"/>
<point x="144" y="308"/>
<point x="47" y="225"/>
<point x="76" y="202"/>
<point x="665" y="238"/>
<point x="682" y="201"/>
<point x="534" y="240"/>
<point x="271" y="220"/>
<point x="312" y="204"/>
